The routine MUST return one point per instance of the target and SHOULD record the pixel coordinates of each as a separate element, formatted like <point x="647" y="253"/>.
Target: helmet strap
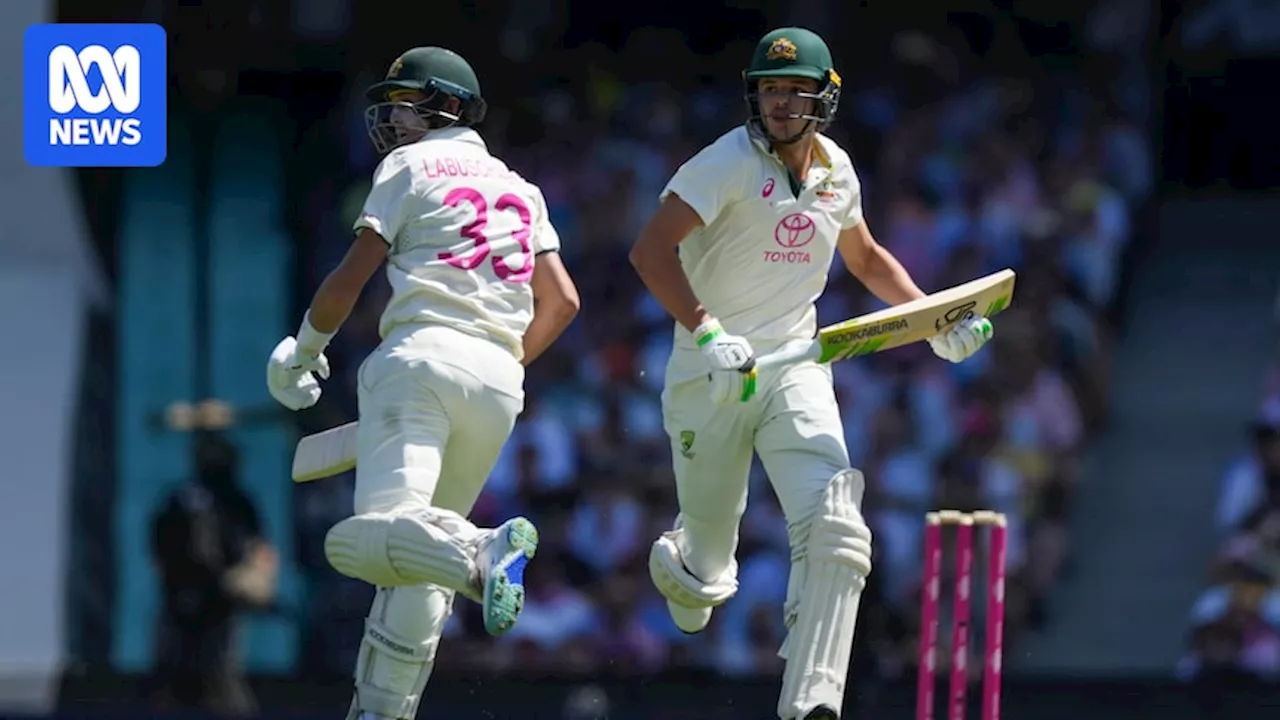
<point x="809" y="127"/>
<point x="812" y="124"/>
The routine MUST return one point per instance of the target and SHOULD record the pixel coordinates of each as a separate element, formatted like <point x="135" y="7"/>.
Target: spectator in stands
<point x="1235" y="633"/>
<point x="1251" y="487"/>
<point x="1235" y="629"/>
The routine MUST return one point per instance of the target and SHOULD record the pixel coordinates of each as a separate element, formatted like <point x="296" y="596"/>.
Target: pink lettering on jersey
<point x="463" y="167"/>
<point x="789" y="257"/>
<point x="795" y="231"/>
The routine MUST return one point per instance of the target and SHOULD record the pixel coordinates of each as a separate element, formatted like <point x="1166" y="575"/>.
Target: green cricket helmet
<point x="442" y="76"/>
<point x="794" y="52"/>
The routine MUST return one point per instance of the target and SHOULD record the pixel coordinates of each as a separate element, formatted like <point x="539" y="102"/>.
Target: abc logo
<point x="120" y="90"/>
<point x="95" y="95"/>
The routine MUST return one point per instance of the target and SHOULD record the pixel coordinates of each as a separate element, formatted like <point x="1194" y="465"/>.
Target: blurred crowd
<point x="967" y="168"/>
<point x="1235" y="624"/>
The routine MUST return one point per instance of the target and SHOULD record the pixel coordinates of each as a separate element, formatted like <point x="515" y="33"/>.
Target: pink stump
<point x="959" y="689"/>
<point x="992" y="671"/>
<point x="928" y="657"/>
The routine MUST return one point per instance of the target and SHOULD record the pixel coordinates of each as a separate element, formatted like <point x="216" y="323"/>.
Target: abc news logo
<point x="95" y="95"/>
<point x="69" y="91"/>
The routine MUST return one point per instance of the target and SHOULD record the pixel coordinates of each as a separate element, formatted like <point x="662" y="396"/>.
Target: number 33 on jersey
<point x="464" y="232"/>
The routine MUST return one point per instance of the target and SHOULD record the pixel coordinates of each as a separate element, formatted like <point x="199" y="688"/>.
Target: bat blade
<point x="916" y="320"/>
<point x="325" y="454"/>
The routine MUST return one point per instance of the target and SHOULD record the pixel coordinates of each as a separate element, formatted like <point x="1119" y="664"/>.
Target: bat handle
<point x="790" y="354"/>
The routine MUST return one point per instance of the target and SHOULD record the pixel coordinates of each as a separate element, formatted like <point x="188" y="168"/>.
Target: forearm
<point x="664" y="277"/>
<point x="549" y="322"/>
<point x="331" y="305"/>
<point x="342" y="287"/>
<point x="885" y="277"/>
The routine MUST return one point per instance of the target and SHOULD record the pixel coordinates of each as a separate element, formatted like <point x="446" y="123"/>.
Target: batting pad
<point x="325" y="454"/>
<point x="821" y="642"/>
<point x="398" y="650"/>
<point x="679" y="586"/>
<point x="429" y="545"/>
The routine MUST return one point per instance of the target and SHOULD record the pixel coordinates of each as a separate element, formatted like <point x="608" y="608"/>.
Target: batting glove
<point x="294" y="365"/>
<point x="732" y="363"/>
<point x="962" y="340"/>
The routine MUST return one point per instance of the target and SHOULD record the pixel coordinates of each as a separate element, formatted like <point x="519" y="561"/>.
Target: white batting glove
<point x="294" y="365"/>
<point x="962" y="340"/>
<point x="291" y="378"/>
<point x="731" y="361"/>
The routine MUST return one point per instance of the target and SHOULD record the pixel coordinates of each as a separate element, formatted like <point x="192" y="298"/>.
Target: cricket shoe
<point x="822" y="712"/>
<point x="501" y="561"/>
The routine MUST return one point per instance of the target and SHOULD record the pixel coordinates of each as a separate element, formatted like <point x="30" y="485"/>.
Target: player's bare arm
<point x="655" y="260"/>
<point x="297" y="361"/>
<point x="882" y="274"/>
<point x="555" y="304"/>
<point x="337" y="295"/>
<point x="875" y="267"/>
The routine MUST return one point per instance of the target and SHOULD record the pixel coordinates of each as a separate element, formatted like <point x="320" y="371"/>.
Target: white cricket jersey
<point x="463" y="231"/>
<point x="762" y="256"/>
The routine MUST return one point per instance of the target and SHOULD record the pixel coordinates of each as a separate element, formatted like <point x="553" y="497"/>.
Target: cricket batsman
<point x="757" y="218"/>
<point x="478" y="292"/>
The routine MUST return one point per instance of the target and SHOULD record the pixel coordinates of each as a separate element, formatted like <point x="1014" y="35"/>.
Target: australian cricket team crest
<point x="396" y="67"/>
<point x="686" y="443"/>
<point x="782" y="49"/>
<point x="826" y="191"/>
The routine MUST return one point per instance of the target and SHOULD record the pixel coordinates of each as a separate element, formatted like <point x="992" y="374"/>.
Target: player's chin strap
<point x="758" y="126"/>
<point x="829" y="570"/>
<point x="758" y="132"/>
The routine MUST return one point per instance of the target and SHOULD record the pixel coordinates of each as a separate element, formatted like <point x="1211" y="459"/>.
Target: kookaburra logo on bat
<point x="955" y="315"/>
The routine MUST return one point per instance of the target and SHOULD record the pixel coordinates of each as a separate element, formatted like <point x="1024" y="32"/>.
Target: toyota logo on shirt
<point x="794" y="231"/>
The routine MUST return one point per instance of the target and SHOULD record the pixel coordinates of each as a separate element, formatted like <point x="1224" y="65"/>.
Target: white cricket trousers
<point x="436" y="407"/>
<point x="793" y="423"/>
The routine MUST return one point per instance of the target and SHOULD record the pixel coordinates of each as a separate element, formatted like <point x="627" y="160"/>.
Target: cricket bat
<point x="902" y="324"/>
<point x="325" y="454"/>
<point x="333" y="451"/>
